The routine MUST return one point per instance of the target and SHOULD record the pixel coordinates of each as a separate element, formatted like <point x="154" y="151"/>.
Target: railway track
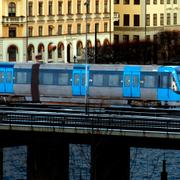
<point x="117" y="110"/>
<point x="116" y="118"/>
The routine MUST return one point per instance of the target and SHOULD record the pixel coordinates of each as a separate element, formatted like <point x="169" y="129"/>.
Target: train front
<point x="169" y="85"/>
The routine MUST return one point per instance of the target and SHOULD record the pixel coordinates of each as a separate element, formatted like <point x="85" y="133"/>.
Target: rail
<point x="81" y="120"/>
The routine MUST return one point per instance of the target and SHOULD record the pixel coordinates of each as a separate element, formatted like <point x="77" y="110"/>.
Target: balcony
<point x="15" y="20"/>
<point x="51" y="18"/>
<point x="31" y="18"/>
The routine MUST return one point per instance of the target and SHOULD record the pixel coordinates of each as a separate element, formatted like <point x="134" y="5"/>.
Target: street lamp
<point x="86" y="57"/>
<point x="26" y="26"/>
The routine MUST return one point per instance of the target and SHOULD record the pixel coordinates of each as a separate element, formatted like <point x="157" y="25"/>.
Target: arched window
<point x="79" y="48"/>
<point x="12" y="9"/>
<point x="12" y="51"/>
<point x="40" y="48"/>
<point x="30" y="52"/>
<point x="106" y="42"/>
<point x="60" y="50"/>
<point x="51" y="48"/>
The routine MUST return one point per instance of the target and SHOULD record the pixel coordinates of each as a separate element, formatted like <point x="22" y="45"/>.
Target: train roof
<point x="104" y="67"/>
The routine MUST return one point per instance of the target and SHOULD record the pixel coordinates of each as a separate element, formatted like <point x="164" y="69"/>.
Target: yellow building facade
<point x="143" y="19"/>
<point x="53" y="30"/>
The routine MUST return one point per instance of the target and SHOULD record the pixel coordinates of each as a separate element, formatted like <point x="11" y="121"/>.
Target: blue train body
<point x="102" y="84"/>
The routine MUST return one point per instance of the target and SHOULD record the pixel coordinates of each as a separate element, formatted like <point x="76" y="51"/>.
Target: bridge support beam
<point x="110" y="161"/>
<point x="48" y="161"/>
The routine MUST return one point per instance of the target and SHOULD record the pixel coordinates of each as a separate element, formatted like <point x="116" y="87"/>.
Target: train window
<point x="63" y="78"/>
<point x="164" y="80"/>
<point x="1" y="77"/>
<point x="47" y="78"/>
<point x="135" y="80"/>
<point x="127" y="80"/>
<point x="76" y="79"/>
<point x="178" y="75"/>
<point x="21" y="77"/>
<point x="149" y="80"/>
<point x="83" y="79"/>
<point x="9" y="77"/>
<point x="97" y="79"/>
<point x="114" y="80"/>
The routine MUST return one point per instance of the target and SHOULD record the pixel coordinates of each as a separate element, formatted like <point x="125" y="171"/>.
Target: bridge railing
<point x="101" y="121"/>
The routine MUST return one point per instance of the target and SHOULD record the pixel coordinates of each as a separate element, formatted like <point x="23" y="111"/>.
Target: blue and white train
<point x="100" y="84"/>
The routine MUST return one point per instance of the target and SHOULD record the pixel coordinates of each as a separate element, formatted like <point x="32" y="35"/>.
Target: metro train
<point x="98" y="84"/>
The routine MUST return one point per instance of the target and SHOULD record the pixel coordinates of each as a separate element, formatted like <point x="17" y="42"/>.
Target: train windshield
<point x="175" y="83"/>
<point x="178" y="75"/>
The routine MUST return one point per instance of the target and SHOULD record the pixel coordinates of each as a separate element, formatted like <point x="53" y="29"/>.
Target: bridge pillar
<point x="110" y="161"/>
<point x="48" y="161"/>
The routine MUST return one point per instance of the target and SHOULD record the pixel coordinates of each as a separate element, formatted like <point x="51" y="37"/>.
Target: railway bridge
<point x="47" y="131"/>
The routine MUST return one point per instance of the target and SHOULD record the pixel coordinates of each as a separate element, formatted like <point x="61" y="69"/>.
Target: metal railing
<point x="108" y="121"/>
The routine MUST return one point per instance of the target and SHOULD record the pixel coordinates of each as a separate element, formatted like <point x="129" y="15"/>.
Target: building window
<point x="60" y="50"/>
<point x="79" y="28"/>
<point x="40" y="8"/>
<point x="126" y="19"/>
<point x="148" y="37"/>
<point x="30" y="31"/>
<point x="69" y="28"/>
<point x="12" y="9"/>
<point x="116" y="1"/>
<point x="30" y="8"/>
<point x="136" y="38"/>
<point x="136" y="20"/>
<point x="175" y="18"/>
<point x="175" y="1"/>
<point x="79" y="6"/>
<point x="60" y="7"/>
<point x="154" y="1"/>
<point x="116" y="23"/>
<point x="116" y="38"/>
<point x="147" y="19"/>
<point x="168" y="1"/>
<point x="161" y="1"/>
<point x="50" y="30"/>
<point x="40" y="29"/>
<point x="97" y="6"/>
<point x="126" y="2"/>
<point x="69" y="7"/>
<point x="168" y="19"/>
<point x="79" y="48"/>
<point x="161" y="19"/>
<point x="50" y="8"/>
<point x="154" y="19"/>
<point x="12" y="32"/>
<point x="105" y="27"/>
<point x="59" y="29"/>
<point x="147" y="2"/>
<point x="105" y="6"/>
<point x="97" y="27"/>
<point x="88" y="8"/>
<point x="136" y="1"/>
<point x="125" y="38"/>
<point x="88" y="28"/>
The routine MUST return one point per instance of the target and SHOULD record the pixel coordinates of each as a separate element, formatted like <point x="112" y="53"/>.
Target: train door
<point x="6" y="79"/>
<point x="78" y="80"/>
<point x="131" y="82"/>
<point x="2" y="80"/>
<point x="9" y="80"/>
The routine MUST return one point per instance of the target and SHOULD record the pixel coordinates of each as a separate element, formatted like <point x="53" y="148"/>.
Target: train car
<point x="98" y="84"/>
